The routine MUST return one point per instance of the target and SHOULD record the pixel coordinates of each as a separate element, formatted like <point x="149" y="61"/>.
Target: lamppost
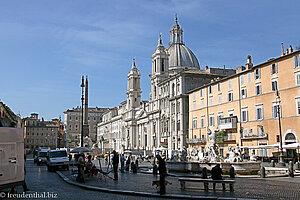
<point x="82" y="99"/>
<point x="281" y="160"/>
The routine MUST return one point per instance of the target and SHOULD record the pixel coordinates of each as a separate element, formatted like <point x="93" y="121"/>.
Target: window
<point x="298" y="106"/>
<point x="274" y="85"/>
<point x="243" y="93"/>
<point x="258" y="89"/>
<point x="230" y="96"/>
<point x="202" y="122"/>
<point x="242" y="79"/>
<point x="210" y="89"/>
<point x="220" y="115"/>
<point x="257" y="73"/>
<point x="210" y="101"/>
<point x="259" y="112"/>
<point x="70" y="118"/>
<point x="219" y="87"/>
<point x="162" y="65"/>
<point x="211" y="120"/>
<point x="274" y="68"/>
<point x="276" y="109"/>
<point x="297" y="78"/>
<point x="194" y="122"/>
<point x="249" y="77"/>
<point x="194" y="105"/>
<point x="194" y="95"/>
<point x="244" y="115"/>
<point x="76" y="118"/>
<point x="229" y="83"/>
<point x="220" y="98"/>
<point x="201" y="92"/>
<point x="202" y="103"/>
<point x="296" y="61"/>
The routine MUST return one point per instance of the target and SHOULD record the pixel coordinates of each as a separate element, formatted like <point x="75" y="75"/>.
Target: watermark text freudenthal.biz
<point x="35" y="195"/>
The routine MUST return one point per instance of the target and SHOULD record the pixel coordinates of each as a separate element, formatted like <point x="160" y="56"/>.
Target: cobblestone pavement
<point x="253" y="188"/>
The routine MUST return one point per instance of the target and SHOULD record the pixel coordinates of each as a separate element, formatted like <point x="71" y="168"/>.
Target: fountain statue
<point x="213" y="151"/>
<point x="234" y="155"/>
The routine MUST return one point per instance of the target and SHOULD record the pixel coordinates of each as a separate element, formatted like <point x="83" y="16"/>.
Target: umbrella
<point x="80" y="149"/>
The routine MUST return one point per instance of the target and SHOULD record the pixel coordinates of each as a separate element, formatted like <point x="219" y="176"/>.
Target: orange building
<point x="243" y="109"/>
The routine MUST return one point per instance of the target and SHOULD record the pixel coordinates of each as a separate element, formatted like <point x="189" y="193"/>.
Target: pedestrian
<point x="128" y="163"/>
<point x="115" y="163"/>
<point x="216" y="172"/>
<point x="122" y="160"/>
<point x="162" y="174"/>
<point x="80" y="165"/>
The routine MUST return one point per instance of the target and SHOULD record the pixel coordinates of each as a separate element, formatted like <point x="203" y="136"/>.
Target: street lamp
<point x="281" y="160"/>
<point x="82" y="99"/>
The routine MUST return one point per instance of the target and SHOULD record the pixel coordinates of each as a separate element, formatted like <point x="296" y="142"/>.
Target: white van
<point x="57" y="159"/>
<point x="11" y="157"/>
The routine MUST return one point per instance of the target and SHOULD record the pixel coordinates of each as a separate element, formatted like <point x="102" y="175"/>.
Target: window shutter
<point x="273" y="112"/>
<point x="276" y="67"/>
<point x="271" y="67"/>
<point x="295" y="61"/>
<point x="256" y="113"/>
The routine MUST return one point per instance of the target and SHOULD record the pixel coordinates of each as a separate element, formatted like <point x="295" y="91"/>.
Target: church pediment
<point x="142" y="114"/>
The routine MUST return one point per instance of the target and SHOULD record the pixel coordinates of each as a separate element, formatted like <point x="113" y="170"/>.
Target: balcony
<point x="228" y="123"/>
<point x="255" y="136"/>
<point x="196" y="141"/>
<point x="228" y="139"/>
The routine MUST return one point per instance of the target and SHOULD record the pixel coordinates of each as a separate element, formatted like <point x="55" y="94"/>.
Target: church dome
<point x="180" y="56"/>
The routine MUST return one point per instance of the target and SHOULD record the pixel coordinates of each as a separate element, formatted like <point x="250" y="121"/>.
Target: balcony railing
<point x="228" y="123"/>
<point x="196" y="141"/>
<point x="255" y="136"/>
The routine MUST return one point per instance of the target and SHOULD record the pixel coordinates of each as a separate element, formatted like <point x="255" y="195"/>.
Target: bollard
<point x="155" y="169"/>
<point x="262" y="172"/>
<point x="272" y="163"/>
<point x="291" y="169"/>
<point x="231" y="172"/>
<point x="204" y="173"/>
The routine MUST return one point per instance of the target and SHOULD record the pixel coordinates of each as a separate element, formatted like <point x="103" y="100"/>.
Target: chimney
<point x="282" y="50"/>
<point x="249" y="64"/>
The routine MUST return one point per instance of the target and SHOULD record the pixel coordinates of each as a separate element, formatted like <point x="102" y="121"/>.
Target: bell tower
<point x="133" y="89"/>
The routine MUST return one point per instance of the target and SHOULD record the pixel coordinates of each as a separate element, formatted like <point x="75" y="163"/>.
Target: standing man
<point x="162" y="174"/>
<point x="122" y="159"/>
<point x="115" y="162"/>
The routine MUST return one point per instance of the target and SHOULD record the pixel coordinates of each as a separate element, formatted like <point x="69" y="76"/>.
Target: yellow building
<point x="243" y="108"/>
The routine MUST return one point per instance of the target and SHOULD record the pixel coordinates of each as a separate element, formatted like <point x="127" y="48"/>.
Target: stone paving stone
<point x="253" y="188"/>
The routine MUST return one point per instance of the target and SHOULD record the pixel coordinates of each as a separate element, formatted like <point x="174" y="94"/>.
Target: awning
<point x="292" y="146"/>
<point x="273" y="146"/>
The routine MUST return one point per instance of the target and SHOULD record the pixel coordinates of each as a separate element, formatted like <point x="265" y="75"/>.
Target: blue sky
<point x="45" y="46"/>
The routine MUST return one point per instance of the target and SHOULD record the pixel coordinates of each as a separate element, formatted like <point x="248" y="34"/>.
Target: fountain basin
<point x="241" y="168"/>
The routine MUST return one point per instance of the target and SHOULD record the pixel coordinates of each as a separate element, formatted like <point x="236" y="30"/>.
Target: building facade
<point x="40" y="133"/>
<point x="8" y="118"/>
<point x="161" y="122"/>
<point x="244" y="109"/>
<point x="72" y="121"/>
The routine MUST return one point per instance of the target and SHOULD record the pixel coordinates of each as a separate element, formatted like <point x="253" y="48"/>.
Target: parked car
<point x="42" y="157"/>
<point x="57" y="159"/>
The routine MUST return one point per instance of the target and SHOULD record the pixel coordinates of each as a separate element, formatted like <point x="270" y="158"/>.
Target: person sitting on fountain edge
<point x="216" y="172"/>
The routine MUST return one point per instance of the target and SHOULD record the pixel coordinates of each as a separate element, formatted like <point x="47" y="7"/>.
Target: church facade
<point x="162" y="122"/>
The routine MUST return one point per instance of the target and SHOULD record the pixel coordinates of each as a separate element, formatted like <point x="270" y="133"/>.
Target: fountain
<point x="212" y="157"/>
